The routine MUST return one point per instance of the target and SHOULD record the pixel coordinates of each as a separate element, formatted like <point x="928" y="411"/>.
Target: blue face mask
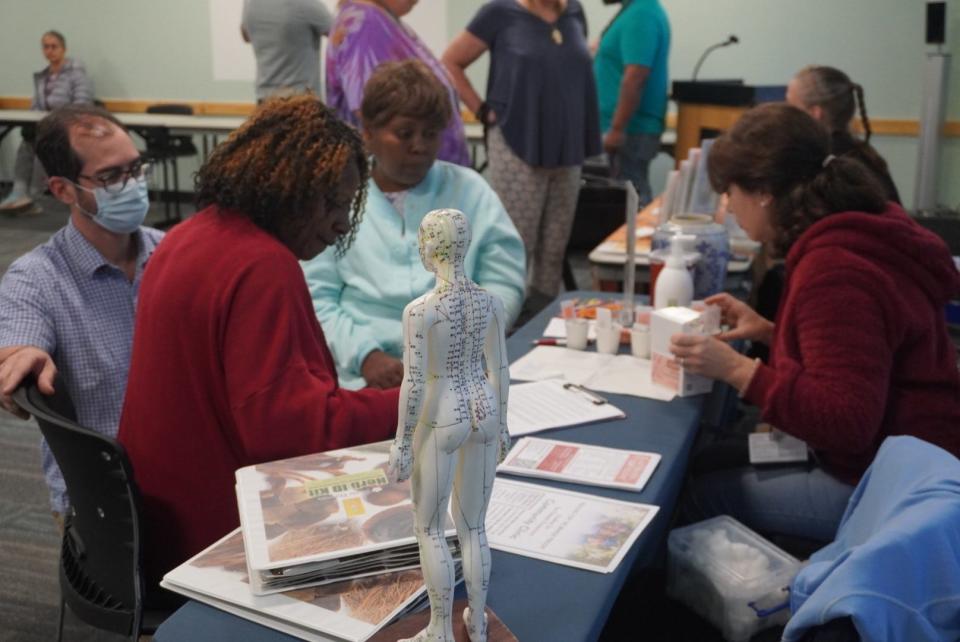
<point x="122" y="212"/>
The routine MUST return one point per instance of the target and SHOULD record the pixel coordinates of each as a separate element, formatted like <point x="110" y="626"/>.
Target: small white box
<point x="665" y="371"/>
<point x="731" y="576"/>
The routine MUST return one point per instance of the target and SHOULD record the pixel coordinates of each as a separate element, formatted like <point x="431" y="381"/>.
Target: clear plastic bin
<point x="731" y="576"/>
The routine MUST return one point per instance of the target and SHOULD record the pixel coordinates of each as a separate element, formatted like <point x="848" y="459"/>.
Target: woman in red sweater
<point x="859" y="349"/>
<point x="230" y="367"/>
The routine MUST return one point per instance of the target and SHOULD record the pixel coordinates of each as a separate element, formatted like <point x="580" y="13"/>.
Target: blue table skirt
<point x="539" y="600"/>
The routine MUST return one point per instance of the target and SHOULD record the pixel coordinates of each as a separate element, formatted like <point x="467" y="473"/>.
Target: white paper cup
<point x="640" y="340"/>
<point x="577" y="333"/>
<point x="608" y="338"/>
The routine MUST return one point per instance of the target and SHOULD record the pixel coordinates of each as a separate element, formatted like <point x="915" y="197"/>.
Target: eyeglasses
<point x="115" y="180"/>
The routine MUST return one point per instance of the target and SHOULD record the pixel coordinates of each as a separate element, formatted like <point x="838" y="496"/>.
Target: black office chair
<point x="164" y="149"/>
<point x="100" y="559"/>
<point x="601" y="209"/>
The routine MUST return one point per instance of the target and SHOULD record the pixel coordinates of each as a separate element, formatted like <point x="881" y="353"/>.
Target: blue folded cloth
<point x="894" y="566"/>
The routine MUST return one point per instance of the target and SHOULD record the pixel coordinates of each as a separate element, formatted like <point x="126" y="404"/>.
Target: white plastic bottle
<point x="674" y="285"/>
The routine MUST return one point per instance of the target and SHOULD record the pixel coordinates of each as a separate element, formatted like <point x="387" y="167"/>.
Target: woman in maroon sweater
<point x="859" y="349"/>
<point x="230" y="367"/>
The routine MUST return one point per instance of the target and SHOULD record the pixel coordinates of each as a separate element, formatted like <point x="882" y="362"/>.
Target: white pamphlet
<point x="593" y="465"/>
<point x="776" y="447"/>
<point x="563" y="527"/>
<point x="557" y="329"/>
<point x="325" y="517"/>
<point x="542" y="405"/>
<point x="617" y="374"/>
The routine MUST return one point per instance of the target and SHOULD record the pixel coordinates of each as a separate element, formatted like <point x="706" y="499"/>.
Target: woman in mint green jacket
<point x="359" y="297"/>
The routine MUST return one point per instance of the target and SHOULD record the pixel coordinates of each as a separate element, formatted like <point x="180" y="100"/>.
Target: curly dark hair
<point x="782" y="151"/>
<point x="276" y="166"/>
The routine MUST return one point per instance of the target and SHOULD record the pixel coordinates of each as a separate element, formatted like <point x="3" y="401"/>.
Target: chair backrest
<point x="159" y="141"/>
<point x="601" y="209"/>
<point x="170" y="108"/>
<point x="100" y="565"/>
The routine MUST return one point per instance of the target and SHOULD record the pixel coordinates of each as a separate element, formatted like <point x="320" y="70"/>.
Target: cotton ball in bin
<point x="710" y="547"/>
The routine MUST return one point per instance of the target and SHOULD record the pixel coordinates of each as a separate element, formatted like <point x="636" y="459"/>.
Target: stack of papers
<point x="352" y="610"/>
<point x="543" y="405"/>
<point x="557" y="329"/>
<point x="326" y="549"/>
<point x="618" y="374"/>
<point x="326" y="517"/>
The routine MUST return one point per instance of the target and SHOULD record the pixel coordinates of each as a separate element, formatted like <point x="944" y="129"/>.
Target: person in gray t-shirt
<point x="285" y="35"/>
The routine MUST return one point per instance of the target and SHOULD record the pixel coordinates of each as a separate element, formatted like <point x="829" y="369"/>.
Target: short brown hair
<point x="56" y="34"/>
<point x="52" y="145"/>
<point x="281" y="160"/>
<point x="782" y="151"/>
<point x="405" y="88"/>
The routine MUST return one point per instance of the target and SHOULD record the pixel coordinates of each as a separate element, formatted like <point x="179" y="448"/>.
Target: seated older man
<point x="359" y="296"/>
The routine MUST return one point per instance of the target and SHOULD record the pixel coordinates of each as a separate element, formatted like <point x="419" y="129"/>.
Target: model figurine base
<point x="409" y="626"/>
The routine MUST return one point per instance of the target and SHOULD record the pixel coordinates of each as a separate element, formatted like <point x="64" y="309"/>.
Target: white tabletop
<point x="474" y="132"/>
<point x="14" y="116"/>
<point x="192" y="123"/>
<point x="603" y="256"/>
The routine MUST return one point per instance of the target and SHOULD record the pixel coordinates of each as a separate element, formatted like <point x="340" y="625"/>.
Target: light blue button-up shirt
<point x="66" y="299"/>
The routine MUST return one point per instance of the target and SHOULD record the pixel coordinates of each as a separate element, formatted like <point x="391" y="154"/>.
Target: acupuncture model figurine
<point x="452" y="426"/>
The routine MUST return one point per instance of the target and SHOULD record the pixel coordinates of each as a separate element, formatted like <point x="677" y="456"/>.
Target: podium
<point x="706" y="108"/>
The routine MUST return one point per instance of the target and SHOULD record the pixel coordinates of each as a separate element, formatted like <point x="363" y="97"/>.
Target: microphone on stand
<point x="732" y="40"/>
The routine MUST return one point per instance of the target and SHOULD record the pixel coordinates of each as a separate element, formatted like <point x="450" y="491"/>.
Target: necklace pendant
<point x="557" y="36"/>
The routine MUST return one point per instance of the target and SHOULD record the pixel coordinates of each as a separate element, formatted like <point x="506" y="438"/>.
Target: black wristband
<point x="483" y="112"/>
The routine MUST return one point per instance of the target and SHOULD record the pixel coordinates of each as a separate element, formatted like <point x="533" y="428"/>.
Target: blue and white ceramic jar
<point x="712" y="243"/>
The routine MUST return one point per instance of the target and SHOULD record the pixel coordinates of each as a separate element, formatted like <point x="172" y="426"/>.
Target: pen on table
<point x="594" y="397"/>
<point x="549" y="342"/>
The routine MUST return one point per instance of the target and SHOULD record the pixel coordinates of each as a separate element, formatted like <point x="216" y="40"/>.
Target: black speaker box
<point x="936" y="22"/>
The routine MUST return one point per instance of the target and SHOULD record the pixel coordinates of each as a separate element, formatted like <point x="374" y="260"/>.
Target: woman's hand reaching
<point x="743" y="320"/>
<point x="710" y="357"/>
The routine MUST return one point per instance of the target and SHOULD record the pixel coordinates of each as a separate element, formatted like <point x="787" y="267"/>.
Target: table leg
<point x="6" y="130"/>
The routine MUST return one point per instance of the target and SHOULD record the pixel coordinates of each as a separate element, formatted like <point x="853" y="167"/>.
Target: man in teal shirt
<point x="631" y="72"/>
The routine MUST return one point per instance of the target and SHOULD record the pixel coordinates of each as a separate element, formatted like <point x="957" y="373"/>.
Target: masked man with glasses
<point x="68" y="305"/>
